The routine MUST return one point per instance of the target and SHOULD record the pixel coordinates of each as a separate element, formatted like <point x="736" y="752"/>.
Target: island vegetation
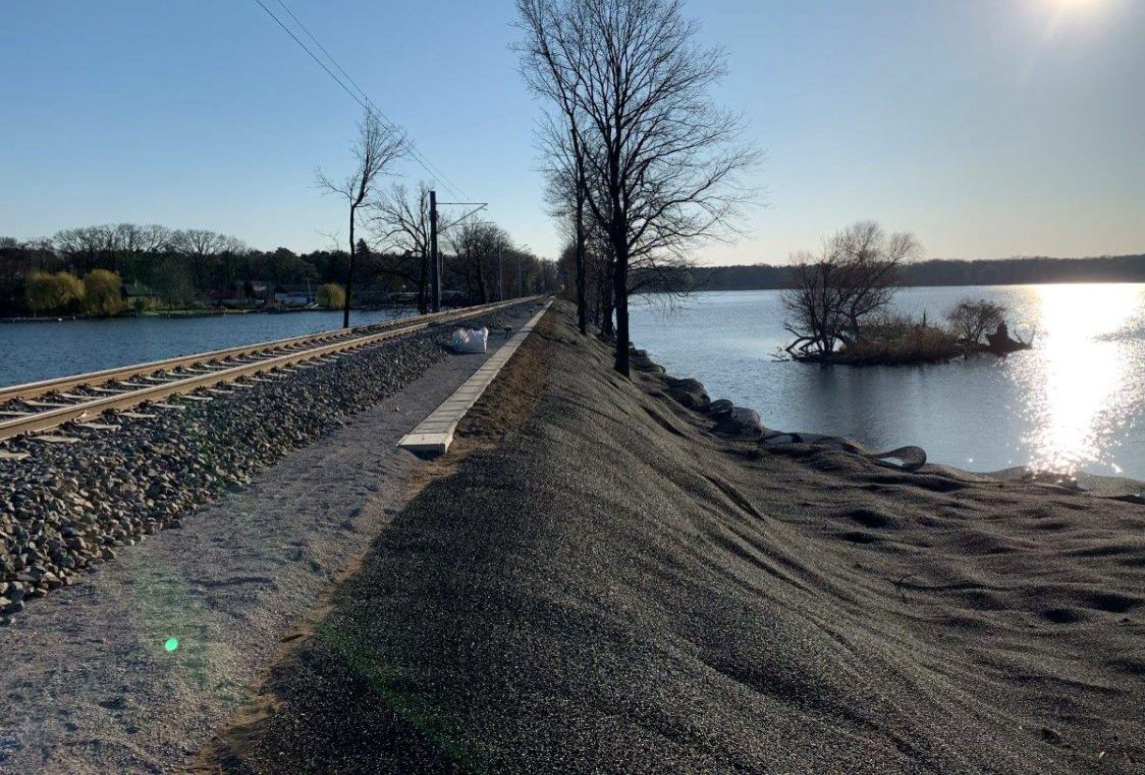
<point x="838" y="307"/>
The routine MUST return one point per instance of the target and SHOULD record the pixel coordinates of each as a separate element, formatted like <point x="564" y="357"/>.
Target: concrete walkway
<point x="435" y="433"/>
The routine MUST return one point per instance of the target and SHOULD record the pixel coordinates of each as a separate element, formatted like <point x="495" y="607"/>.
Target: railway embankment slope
<point x="612" y="587"/>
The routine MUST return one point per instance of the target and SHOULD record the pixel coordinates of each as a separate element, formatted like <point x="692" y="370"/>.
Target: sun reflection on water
<point x="1080" y="379"/>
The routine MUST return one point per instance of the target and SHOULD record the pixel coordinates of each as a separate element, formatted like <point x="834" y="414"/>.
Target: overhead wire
<point x="430" y="167"/>
<point x="360" y="97"/>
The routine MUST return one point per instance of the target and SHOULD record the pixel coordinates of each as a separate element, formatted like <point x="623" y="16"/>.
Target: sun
<point x="1063" y="6"/>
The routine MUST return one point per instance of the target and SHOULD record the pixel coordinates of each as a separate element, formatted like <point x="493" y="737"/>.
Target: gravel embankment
<point x="131" y="668"/>
<point x="68" y="507"/>
<point x="616" y="588"/>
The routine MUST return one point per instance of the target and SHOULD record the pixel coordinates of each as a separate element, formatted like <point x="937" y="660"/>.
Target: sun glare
<point x="1084" y="389"/>
<point x="1074" y="5"/>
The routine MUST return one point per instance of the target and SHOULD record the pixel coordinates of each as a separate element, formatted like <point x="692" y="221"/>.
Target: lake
<point x="34" y="351"/>
<point x="1074" y="403"/>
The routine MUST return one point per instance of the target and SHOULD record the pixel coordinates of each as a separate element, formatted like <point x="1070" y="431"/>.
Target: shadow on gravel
<point x="604" y="585"/>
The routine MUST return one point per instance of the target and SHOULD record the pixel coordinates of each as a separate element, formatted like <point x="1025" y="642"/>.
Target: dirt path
<point x="132" y="669"/>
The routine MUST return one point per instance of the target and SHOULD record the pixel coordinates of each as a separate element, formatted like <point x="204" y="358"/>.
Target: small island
<point x="839" y="308"/>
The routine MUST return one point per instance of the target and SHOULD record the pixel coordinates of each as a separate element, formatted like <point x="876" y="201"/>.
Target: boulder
<point x="740" y="421"/>
<point x="721" y="408"/>
<point x="690" y="393"/>
<point x="640" y="361"/>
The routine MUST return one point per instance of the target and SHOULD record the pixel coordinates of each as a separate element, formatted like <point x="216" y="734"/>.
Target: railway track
<point x="91" y="400"/>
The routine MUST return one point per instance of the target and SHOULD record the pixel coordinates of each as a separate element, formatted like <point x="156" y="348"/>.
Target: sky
<point x="989" y="128"/>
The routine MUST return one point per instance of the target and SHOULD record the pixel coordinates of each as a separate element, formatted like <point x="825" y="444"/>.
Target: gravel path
<point x="129" y="667"/>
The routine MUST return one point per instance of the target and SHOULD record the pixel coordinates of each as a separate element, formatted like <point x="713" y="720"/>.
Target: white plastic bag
<point x="472" y="340"/>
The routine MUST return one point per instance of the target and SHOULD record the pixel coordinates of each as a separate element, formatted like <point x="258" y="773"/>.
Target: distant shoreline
<point x="945" y="273"/>
<point x="190" y="313"/>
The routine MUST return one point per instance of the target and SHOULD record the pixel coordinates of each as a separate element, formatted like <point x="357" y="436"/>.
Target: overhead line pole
<point x="434" y="231"/>
<point x="434" y="255"/>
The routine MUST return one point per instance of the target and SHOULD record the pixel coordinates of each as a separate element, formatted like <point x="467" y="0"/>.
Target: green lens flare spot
<point x="171" y="644"/>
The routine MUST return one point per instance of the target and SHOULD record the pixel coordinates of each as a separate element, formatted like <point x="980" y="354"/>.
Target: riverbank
<point x="604" y="584"/>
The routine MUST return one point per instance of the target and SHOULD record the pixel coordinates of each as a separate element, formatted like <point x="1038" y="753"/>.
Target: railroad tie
<point x="98" y="426"/>
<point x="49" y="438"/>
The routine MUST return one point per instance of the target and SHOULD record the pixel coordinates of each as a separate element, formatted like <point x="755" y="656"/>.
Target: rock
<point x="720" y="408"/>
<point x="640" y="361"/>
<point x="740" y="421"/>
<point x="64" y="509"/>
<point x="689" y="392"/>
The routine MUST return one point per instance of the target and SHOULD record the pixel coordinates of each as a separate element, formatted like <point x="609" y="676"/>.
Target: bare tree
<point x="201" y="246"/>
<point x="661" y="158"/>
<point x="971" y="319"/>
<point x="87" y="247"/>
<point x="562" y="142"/>
<point x="399" y="222"/>
<point x="477" y="244"/>
<point x="853" y="278"/>
<point x="377" y="147"/>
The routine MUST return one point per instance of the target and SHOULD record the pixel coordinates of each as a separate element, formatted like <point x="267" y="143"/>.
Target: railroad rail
<point x="84" y="397"/>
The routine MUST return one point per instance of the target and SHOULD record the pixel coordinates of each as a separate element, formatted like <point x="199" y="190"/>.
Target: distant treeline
<point x="153" y="266"/>
<point x="1003" y="271"/>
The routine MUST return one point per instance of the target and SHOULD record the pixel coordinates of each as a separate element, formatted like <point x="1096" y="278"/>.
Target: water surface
<point x="34" y="351"/>
<point x="1075" y="402"/>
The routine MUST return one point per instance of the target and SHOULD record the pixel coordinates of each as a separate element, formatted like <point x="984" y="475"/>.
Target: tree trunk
<point x="607" y="329"/>
<point x="581" y="269"/>
<point x="620" y="299"/>
<point x="349" y="274"/>
<point x="481" y="287"/>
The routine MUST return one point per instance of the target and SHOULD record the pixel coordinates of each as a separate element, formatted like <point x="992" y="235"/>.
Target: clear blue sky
<point x="988" y="127"/>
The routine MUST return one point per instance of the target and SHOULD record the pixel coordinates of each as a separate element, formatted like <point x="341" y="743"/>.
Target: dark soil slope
<point x="614" y="589"/>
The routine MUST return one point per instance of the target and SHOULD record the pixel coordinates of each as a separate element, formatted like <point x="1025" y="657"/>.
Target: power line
<point x="321" y="64"/>
<point x="364" y="99"/>
<point x="433" y="169"/>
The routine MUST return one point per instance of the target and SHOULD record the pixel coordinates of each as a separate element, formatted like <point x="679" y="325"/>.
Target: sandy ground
<point x="87" y="684"/>
<point x="611" y="588"/>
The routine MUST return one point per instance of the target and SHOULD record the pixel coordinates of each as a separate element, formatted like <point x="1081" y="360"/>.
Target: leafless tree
<point x="477" y="245"/>
<point x="399" y="223"/>
<point x="662" y="160"/>
<point x="87" y="247"/>
<point x="378" y="146"/>
<point x="853" y="278"/>
<point x="971" y="319"/>
<point x="200" y="246"/>
<point x="562" y="141"/>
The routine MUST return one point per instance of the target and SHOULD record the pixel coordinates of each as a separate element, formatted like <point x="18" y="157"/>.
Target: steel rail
<point x="42" y="421"/>
<point x="62" y="384"/>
